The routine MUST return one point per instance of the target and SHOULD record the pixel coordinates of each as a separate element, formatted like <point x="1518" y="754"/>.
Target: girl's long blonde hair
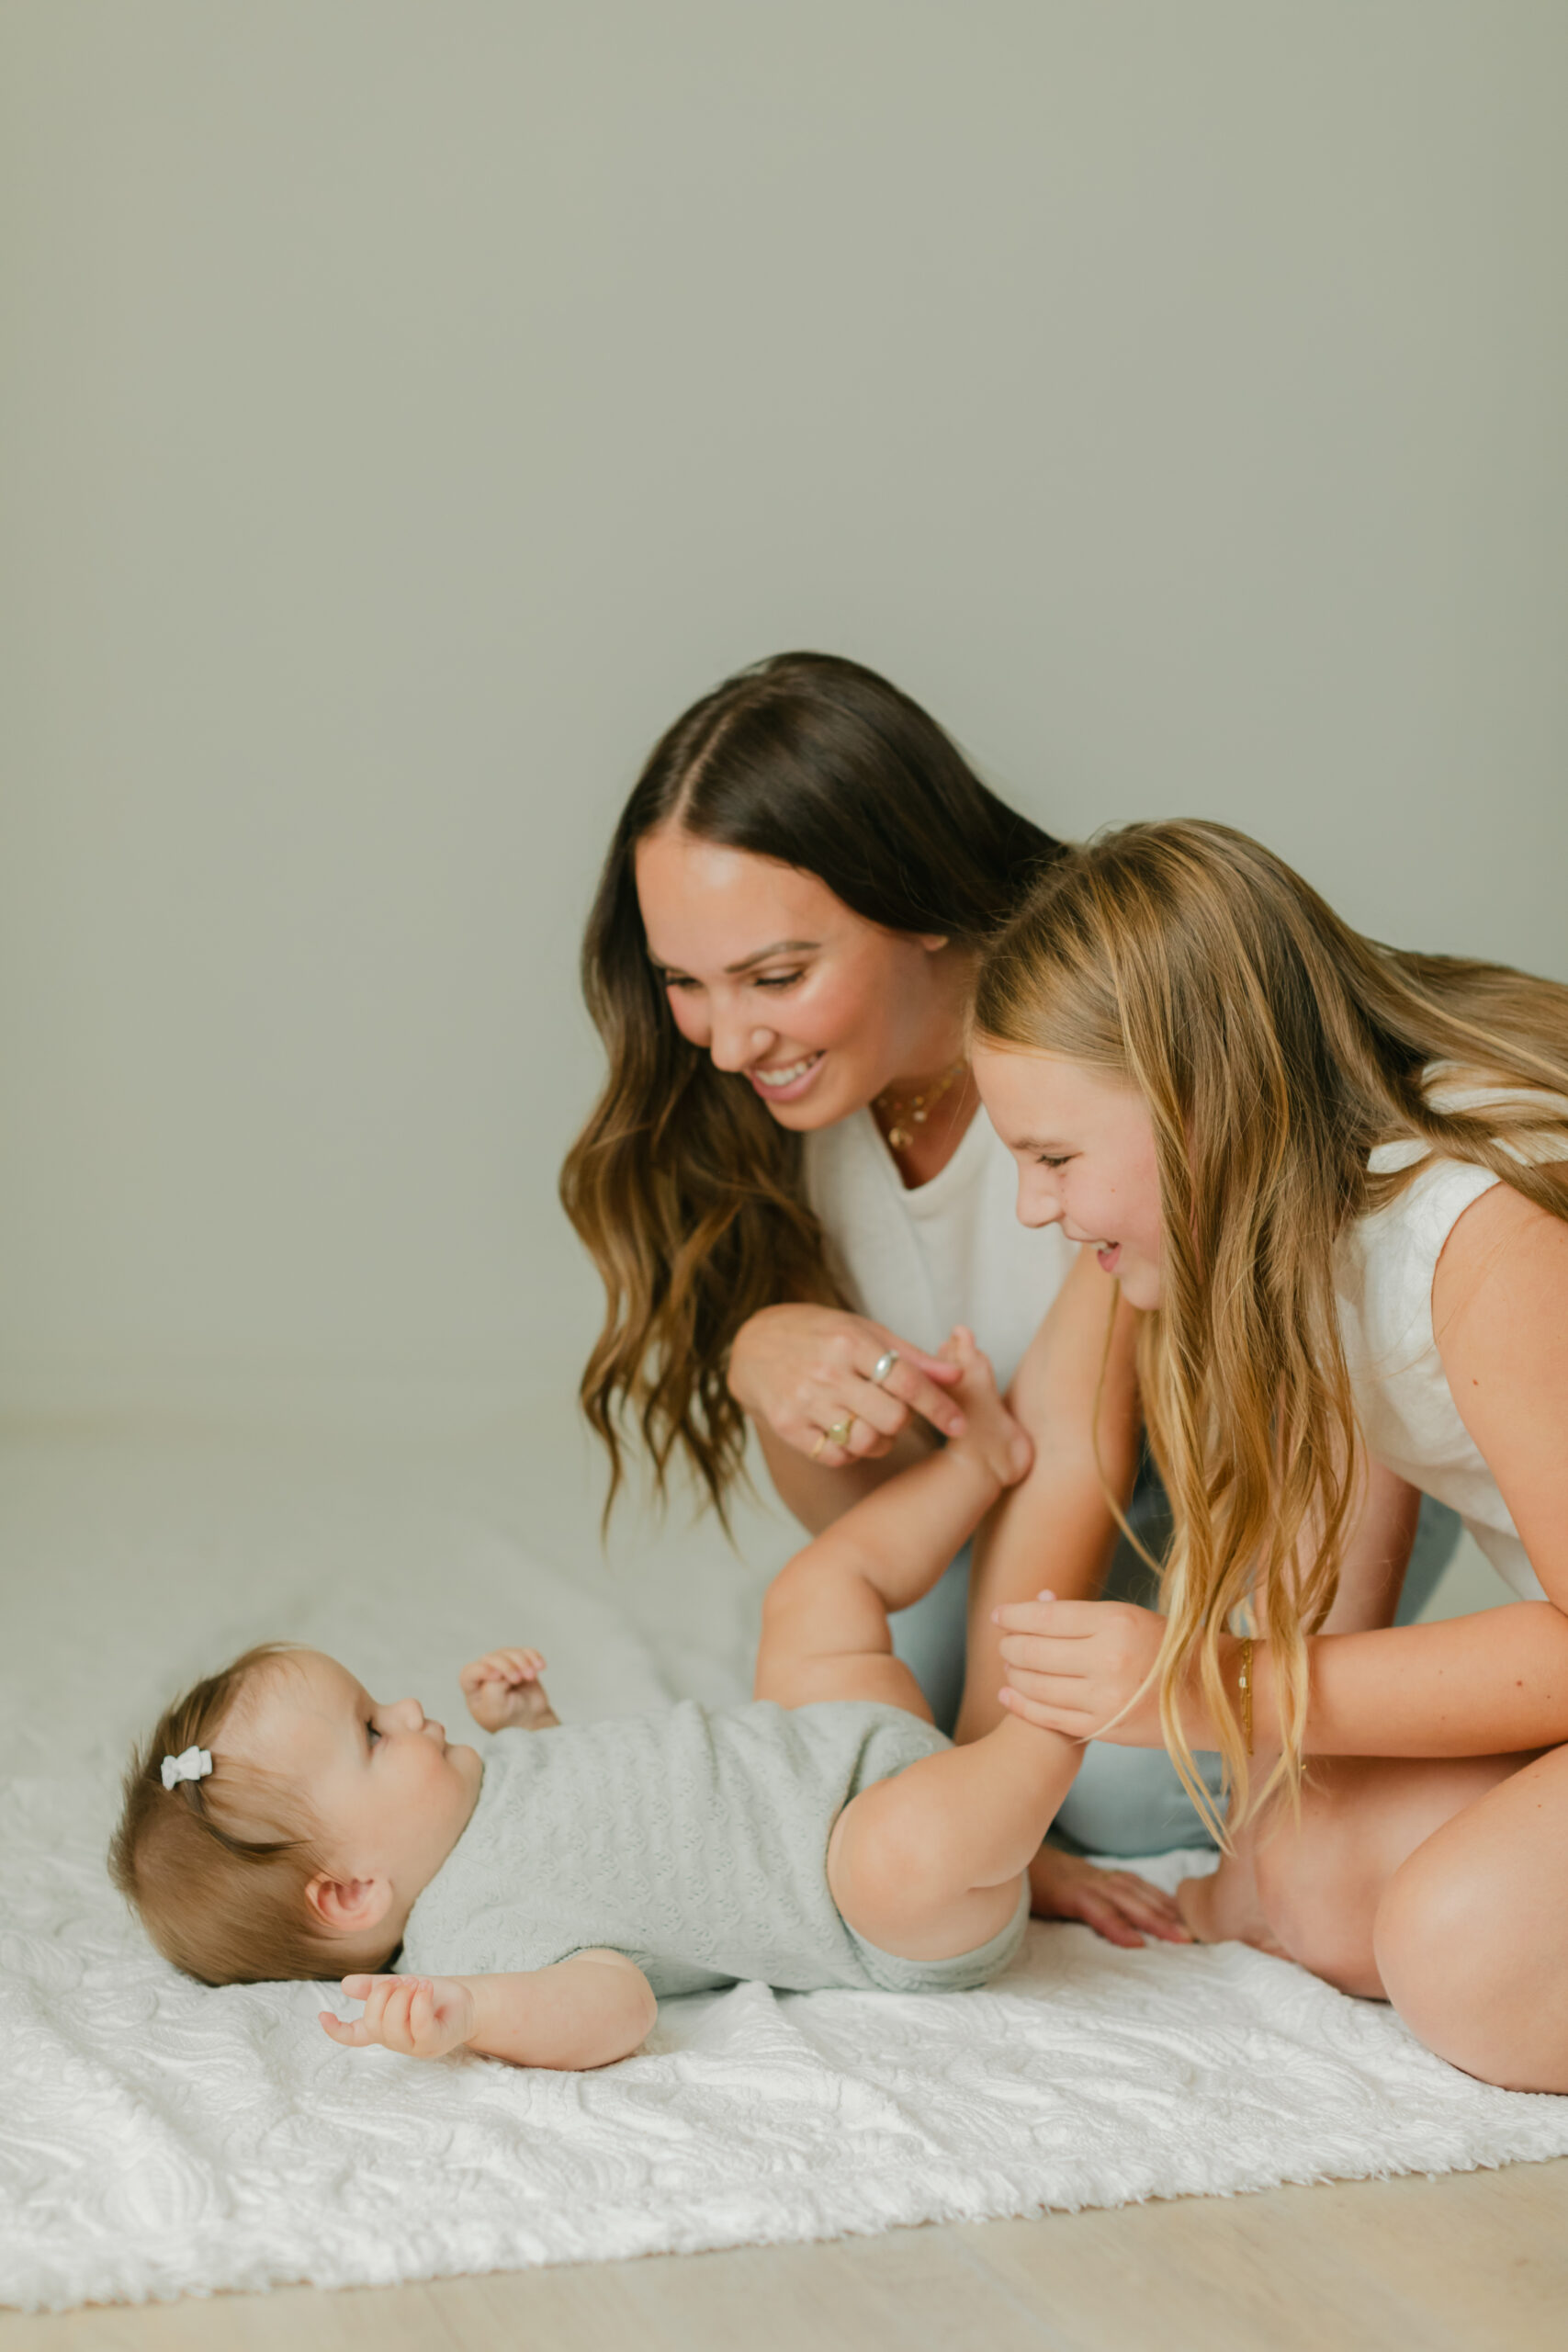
<point x="1275" y="1048"/>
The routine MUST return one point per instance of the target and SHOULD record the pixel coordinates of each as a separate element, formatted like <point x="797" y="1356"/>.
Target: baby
<point x="280" y="1823"/>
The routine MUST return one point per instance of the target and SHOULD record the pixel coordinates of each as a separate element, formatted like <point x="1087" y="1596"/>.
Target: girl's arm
<point x="1495" y="1683"/>
<point x="585" y="2011"/>
<point x="1492" y="1684"/>
<point x="1500" y="1318"/>
<point x="1376" y="1554"/>
<point x="1055" y="1528"/>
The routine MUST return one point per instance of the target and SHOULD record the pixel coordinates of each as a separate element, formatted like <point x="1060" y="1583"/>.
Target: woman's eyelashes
<point x="1054" y="1158"/>
<point x="684" y="983"/>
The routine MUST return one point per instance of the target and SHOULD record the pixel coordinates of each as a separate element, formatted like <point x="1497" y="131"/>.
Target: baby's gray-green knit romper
<point x="694" y="1841"/>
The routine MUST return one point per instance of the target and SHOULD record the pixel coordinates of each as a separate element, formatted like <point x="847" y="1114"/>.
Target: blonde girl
<point x="1333" y="1179"/>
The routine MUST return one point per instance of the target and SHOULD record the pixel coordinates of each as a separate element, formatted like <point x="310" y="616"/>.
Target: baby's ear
<point x="349" y="1907"/>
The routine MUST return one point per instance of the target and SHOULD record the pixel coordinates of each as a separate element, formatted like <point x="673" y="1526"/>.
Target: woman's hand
<point x="803" y="1370"/>
<point x="419" y="2017"/>
<point x="1118" y="1904"/>
<point x="1079" y="1667"/>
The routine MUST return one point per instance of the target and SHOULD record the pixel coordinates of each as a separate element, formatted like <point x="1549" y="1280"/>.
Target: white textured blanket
<point x="155" y="2137"/>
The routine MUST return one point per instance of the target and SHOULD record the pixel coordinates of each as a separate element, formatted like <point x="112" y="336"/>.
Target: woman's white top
<point x="950" y="1251"/>
<point x="1383" y="1270"/>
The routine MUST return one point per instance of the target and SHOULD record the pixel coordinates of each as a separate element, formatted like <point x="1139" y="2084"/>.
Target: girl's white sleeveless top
<point x="1383" y="1270"/>
<point x="950" y="1251"/>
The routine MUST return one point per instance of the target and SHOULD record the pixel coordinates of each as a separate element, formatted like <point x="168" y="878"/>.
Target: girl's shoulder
<point x="1441" y="1186"/>
<point x="1388" y="1259"/>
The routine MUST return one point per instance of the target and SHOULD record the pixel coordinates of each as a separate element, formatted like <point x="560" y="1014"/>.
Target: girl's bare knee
<point x="1454" y="1973"/>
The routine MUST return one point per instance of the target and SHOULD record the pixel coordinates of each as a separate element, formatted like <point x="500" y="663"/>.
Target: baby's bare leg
<point x="825" y="1617"/>
<point x="928" y="1865"/>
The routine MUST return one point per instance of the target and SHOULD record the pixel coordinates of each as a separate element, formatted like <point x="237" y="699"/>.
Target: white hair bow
<point x="194" y="1765"/>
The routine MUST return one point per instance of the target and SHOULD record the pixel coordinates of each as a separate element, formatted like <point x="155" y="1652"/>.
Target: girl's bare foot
<point x="1224" y="1908"/>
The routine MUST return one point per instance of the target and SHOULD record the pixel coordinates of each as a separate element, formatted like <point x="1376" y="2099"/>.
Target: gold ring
<point x="821" y="1442"/>
<point x="839" y="1432"/>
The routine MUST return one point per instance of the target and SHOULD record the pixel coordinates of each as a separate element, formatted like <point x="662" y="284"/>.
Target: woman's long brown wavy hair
<point x="686" y="1191"/>
<point x="1275" y="1048"/>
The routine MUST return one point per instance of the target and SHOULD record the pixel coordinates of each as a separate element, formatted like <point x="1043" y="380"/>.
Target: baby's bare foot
<point x="991" y="1432"/>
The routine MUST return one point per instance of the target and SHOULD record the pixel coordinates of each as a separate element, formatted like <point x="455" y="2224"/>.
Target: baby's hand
<point x="990" y="1434"/>
<point x="504" y="1693"/>
<point x="421" y="2016"/>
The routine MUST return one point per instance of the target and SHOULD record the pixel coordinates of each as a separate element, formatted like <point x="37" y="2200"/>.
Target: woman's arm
<point x="1055" y="1528"/>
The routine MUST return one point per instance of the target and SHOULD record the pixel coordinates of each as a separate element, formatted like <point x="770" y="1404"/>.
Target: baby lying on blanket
<point x="282" y="1824"/>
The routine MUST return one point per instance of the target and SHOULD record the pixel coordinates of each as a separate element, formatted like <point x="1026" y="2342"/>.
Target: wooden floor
<point x="1466" y="2263"/>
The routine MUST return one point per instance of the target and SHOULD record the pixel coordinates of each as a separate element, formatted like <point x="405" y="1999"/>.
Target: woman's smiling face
<point x="773" y="976"/>
<point x="1085" y="1148"/>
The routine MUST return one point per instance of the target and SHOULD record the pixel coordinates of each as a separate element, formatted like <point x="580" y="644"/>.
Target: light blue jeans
<point x="1125" y="1799"/>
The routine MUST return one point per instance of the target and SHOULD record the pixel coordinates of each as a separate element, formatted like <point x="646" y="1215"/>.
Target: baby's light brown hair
<point x="217" y="1869"/>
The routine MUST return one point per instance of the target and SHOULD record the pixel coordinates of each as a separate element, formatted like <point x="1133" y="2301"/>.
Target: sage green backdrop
<point x="409" y="408"/>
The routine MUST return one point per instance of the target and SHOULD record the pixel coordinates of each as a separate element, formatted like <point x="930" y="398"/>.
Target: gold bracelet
<point x="1244" y="1685"/>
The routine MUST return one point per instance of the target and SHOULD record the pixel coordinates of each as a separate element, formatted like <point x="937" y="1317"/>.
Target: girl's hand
<point x="420" y="2017"/>
<point x="504" y="1693"/>
<point x="1077" y="1666"/>
<point x="804" y="1369"/>
<point x="1118" y="1904"/>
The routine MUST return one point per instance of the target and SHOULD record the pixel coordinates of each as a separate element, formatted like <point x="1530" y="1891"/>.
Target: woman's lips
<point x="787" y="1081"/>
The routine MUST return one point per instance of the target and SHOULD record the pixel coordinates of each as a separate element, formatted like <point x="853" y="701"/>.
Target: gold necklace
<point x="905" y="1114"/>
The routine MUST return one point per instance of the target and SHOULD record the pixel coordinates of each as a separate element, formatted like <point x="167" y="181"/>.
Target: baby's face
<point x="391" y="1797"/>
